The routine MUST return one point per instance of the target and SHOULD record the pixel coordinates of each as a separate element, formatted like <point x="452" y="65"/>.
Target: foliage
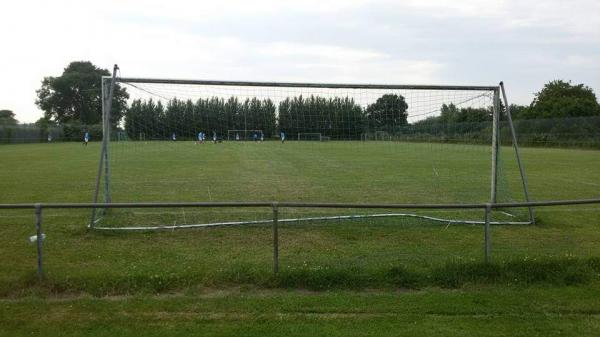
<point x="454" y="124"/>
<point x="151" y="120"/>
<point x="338" y="118"/>
<point x="518" y="111"/>
<point x="572" y="132"/>
<point x="387" y="113"/>
<point x="45" y="122"/>
<point x="562" y="99"/>
<point x="38" y="132"/>
<point x="75" y="96"/>
<point x="7" y="117"/>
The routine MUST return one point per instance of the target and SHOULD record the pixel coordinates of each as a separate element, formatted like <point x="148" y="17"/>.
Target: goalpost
<point x="435" y="158"/>
<point x="310" y="136"/>
<point x="376" y="135"/>
<point x="244" y="134"/>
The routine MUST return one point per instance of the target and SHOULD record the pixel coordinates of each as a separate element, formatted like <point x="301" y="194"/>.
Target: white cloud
<point x="336" y="53"/>
<point x="582" y="61"/>
<point x="416" y="41"/>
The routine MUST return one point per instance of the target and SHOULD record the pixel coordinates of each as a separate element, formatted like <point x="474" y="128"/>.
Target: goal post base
<point x="440" y="220"/>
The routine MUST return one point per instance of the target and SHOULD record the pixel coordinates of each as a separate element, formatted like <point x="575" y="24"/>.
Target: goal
<point x="446" y="150"/>
<point x="309" y="136"/>
<point x="245" y="134"/>
<point x="376" y="135"/>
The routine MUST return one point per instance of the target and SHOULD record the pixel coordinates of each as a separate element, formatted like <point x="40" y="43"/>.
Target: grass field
<point x="393" y="276"/>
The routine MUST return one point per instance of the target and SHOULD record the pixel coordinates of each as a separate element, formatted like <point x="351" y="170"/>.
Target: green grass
<point x="440" y="264"/>
<point x="532" y="311"/>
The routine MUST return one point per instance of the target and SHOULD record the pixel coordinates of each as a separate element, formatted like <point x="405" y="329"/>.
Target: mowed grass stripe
<point x="368" y="252"/>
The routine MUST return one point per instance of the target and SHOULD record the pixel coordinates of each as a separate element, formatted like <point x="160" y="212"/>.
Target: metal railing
<point x="276" y="206"/>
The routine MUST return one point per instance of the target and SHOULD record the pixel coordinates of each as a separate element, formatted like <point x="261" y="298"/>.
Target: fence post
<point x="486" y="231"/>
<point x="38" y="230"/>
<point x="275" y="238"/>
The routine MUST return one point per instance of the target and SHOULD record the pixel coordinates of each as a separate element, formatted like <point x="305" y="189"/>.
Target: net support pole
<point x="486" y="233"/>
<point x="39" y="238"/>
<point x="102" y="150"/>
<point x="275" y="238"/>
<point x="103" y="163"/>
<point x="106" y="138"/>
<point x="495" y="146"/>
<point x="517" y="154"/>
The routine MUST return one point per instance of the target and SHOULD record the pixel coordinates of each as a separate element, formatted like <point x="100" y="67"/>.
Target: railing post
<point x="38" y="230"/>
<point x="275" y="238"/>
<point x="486" y="231"/>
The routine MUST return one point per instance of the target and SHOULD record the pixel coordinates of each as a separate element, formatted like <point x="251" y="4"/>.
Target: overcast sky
<point x="523" y="43"/>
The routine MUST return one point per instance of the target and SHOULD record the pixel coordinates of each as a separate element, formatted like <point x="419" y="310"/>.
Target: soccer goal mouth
<point x="369" y="143"/>
<point x="504" y="218"/>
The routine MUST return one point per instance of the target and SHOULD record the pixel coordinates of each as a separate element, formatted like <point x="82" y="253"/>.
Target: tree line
<point x="560" y="114"/>
<point x="71" y="103"/>
<point x="336" y="117"/>
<point x="149" y="119"/>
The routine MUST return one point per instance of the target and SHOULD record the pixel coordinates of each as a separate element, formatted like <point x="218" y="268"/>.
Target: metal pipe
<point x="39" y="238"/>
<point x="517" y="153"/>
<point x="298" y="220"/>
<point x="495" y="146"/>
<point x="97" y="190"/>
<point x="486" y="233"/>
<point x="304" y="85"/>
<point x="275" y="239"/>
<point x="107" y="194"/>
<point x="102" y="150"/>
<point x="302" y="205"/>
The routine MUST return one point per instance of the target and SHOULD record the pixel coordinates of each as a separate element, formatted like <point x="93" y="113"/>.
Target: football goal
<point x="453" y="144"/>
<point x="376" y="135"/>
<point x="245" y="135"/>
<point x="309" y="136"/>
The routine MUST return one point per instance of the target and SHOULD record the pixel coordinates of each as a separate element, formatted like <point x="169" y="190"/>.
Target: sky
<point x="523" y="43"/>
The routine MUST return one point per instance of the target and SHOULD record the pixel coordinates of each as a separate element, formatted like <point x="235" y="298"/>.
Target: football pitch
<point x="381" y="276"/>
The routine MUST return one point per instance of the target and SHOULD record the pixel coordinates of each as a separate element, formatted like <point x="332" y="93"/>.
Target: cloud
<point x="582" y="61"/>
<point x="424" y="41"/>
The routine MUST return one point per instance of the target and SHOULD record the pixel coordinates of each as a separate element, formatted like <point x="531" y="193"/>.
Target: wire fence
<point x="276" y="206"/>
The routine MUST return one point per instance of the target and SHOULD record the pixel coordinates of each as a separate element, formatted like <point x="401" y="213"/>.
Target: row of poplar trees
<point x="338" y="117"/>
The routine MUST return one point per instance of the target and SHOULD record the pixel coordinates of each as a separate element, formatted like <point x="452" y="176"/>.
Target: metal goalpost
<point x="317" y="136"/>
<point x="243" y="134"/>
<point x="499" y="97"/>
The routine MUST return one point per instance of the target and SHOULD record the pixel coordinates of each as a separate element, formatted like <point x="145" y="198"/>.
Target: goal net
<point x="309" y="136"/>
<point x="245" y="135"/>
<point x="434" y="144"/>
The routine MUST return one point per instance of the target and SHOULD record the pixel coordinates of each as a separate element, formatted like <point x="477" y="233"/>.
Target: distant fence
<point x="577" y="132"/>
<point x="275" y="206"/>
<point x="29" y="133"/>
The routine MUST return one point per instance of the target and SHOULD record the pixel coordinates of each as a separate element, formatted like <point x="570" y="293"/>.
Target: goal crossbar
<point x="305" y="84"/>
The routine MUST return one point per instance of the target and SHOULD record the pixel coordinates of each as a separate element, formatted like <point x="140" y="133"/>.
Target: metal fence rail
<point x="276" y="206"/>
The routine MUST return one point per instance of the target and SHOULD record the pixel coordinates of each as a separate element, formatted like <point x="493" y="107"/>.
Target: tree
<point x="562" y="99"/>
<point x="519" y="111"/>
<point x="336" y="117"/>
<point x="449" y="113"/>
<point x="74" y="97"/>
<point x="7" y="117"/>
<point x="387" y="112"/>
<point x="186" y="118"/>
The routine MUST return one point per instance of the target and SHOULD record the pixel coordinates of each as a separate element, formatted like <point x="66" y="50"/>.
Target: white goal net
<point x="309" y="136"/>
<point x="433" y="144"/>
